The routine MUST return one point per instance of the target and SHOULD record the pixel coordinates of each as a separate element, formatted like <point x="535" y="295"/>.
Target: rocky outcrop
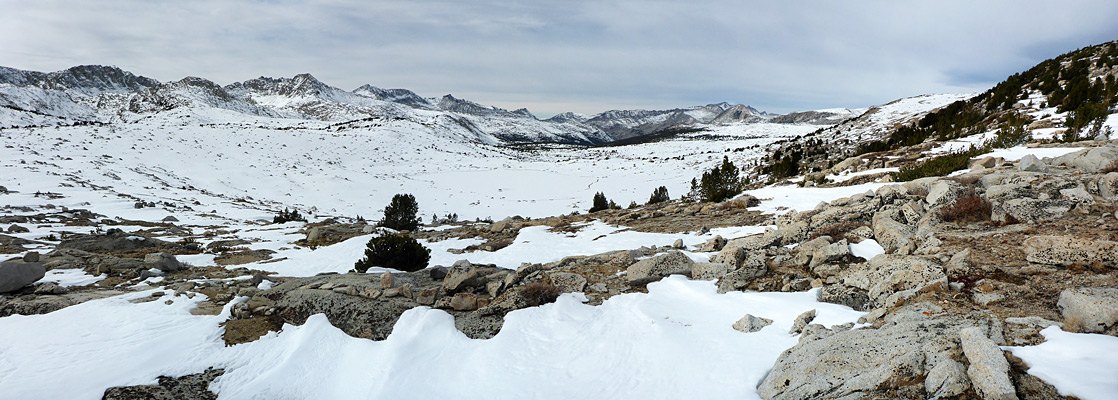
<point x="749" y="323"/>
<point x="658" y="267"/>
<point x="16" y="274"/>
<point x="989" y="370"/>
<point x="1066" y="251"/>
<point x="1091" y="310"/>
<point x="893" y="235"/>
<point x="864" y="362"/>
<point x="187" y="387"/>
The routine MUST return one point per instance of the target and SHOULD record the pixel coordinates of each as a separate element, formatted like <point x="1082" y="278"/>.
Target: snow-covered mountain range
<point x="91" y="93"/>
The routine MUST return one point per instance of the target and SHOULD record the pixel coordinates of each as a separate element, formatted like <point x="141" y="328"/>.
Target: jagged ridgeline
<point x="1081" y="83"/>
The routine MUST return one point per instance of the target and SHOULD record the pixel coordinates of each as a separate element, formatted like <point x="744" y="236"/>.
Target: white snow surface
<point x="1077" y="364"/>
<point x="71" y="277"/>
<point x="628" y="347"/>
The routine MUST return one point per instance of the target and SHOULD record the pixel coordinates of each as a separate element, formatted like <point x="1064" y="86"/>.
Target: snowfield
<point x="214" y="167"/>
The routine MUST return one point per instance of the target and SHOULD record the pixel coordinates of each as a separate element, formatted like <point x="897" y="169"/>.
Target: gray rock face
<point x="17" y="274"/>
<point x="752" y="267"/>
<point x="1067" y="250"/>
<point x="655" y="268"/>
<point x="801" y="321"/>
<point x="749" y="323"/>
<point x="943" y="192"/>
<point x="736" y="250"/>
<point x="859" y="363"/>
<point x="1094" y="310"/>
<point x="834" y="253"/>
<point x="568" y="282"/>
<point x="846" y="295"/>
<point x="891" y="234"/>
<point x="1108" y="186"/>
<point x="189" y="387"/>
<point x="946" y="379"/>
<point x="465" y="276"/>
<point x="708" y="271"/>
<point x="714" y="244"/>
<point x="989" y="370"/>
<point x="163" y="262"/>
<point x="1091" y="160"/>
<point x="1029" y="163"/>
<point x="887" y="274"/>
<point x="1030" y="210"/>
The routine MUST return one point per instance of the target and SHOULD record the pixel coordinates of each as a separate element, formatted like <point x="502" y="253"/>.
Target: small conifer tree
<point x="600" y="202"/>
<point x="720" y="183"/>
<point x="659" y="195"/>
<point x="401" y="213"/>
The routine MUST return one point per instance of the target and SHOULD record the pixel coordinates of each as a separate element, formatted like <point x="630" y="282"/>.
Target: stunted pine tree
<point x="720" y="183"/>
<point x="600" y="202"/>
<point x="659" y="195"/>
<point x="401" y="213"/>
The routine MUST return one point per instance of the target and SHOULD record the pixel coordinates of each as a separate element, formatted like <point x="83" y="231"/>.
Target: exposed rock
<point x="1090" y="160"/>
<point x="568" y="282"/>
<point x="715" y="244"/>
<point x="736" y="250"/>
<point x="943" y="192"/>
<point x="1030" y="210"/>
<point x="1108" y="186"/>
<point x="891" y="234"/>
<point x="1029" y="163"/>
<point x="838" y="252"/>
<point x="386" y="280"/>
<point x="17" y="274"/>
<point x="752" y="267"/>
<point x="678" y="244"/>
<point x="846" y="295"/>
<point x="1068" y="250"/>
<point x="887" y="274"/>
<point x="708" y="271"/>
<point x="31" y="257"/>
<point x="466" y="276"/>
<point x="989" y="370"/>
<point x="335" y="232"/>
<point x="749" y="323"/>
<point x="170" y="218"/>
<point x="948" y="378"/>
<point x="438" y="273"/>
<point x="655" y="268"/>
<point x="188" y="387"/>
<point x="801" y="321"/>
<point x="1090" y="310"/>
<point x="17" y="229"/>
<point x="464" y="302"/>
<point x="862" y="362"/>
<point x="1025" y="331"/>
<point x="50" y="288"/>
<point x="163" y="262"/>
<point x="113" y="242"/>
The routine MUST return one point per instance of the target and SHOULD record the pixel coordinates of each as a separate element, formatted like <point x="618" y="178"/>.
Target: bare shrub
<point x="967" y="209"/>
<point x="539" y="293"/>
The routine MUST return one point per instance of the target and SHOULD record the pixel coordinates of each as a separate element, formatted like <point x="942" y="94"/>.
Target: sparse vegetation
<point x="287" y="216"/>
<point x="600" y="202"/>
<point x="720" y="183"/>
<point x="939" y="166"/>
<point x="401" y="252"/>
<point x="539" y="293"/>
<point x="401" y="213"/>
<point x="971" y="208"/>
<point x="659" y="195"/>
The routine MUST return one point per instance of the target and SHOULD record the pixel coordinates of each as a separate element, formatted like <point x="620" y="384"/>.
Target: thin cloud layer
<point x="582" y="56"/>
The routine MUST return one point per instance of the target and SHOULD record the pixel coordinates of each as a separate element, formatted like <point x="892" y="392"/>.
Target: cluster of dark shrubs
<point x="659" y="195"/>
<point x="722" y="182"/>
<point x="401" y="252"/>
<point x="939" y="166"/>
<point x="287" y="216"/>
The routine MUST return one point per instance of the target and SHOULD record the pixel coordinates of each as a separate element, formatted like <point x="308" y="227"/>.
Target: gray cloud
<point x="584" y="56"/>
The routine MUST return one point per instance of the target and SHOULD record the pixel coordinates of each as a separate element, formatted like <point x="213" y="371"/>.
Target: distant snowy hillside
<point x="102" y="94"/>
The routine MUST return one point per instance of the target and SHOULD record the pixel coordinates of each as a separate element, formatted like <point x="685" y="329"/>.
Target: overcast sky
<point x="582" y="56"/>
